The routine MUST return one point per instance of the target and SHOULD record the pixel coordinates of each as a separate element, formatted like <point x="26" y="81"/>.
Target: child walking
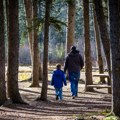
<point x="58" y="79"/>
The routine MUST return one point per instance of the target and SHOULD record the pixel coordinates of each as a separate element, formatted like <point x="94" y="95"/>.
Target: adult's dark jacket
<point x="74" y="62"/>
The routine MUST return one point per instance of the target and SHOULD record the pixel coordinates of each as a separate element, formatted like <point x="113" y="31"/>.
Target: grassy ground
<point x="87" y="106"/>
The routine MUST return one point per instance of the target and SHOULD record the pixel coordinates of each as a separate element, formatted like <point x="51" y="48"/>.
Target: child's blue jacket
<point x="58" y="79"/>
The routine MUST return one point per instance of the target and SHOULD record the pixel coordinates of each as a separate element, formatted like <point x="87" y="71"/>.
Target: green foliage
<point x="23" y="38"/>
<point x="112" y="118"/>
<point x="57" y="23"/>
<point x="106" y="111"/>
<point x="58" y="54"/>
<point x="22" y="22"/>
<point x="38" y="24"/>
<point x="58" y="11"/>
<point x="79" y="20"/>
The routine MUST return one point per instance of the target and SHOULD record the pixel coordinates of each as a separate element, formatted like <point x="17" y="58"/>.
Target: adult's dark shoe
<point x="56" y="97"/>
<point x="73" y="97"/>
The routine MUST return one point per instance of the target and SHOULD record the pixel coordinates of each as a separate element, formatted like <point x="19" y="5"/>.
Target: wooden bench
<point x="99" y="86"/>
<point x="101" y="75"/>
<point x="108" y="85"/>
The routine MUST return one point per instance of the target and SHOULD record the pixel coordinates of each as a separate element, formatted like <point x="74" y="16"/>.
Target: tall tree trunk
<point x="103" y="32"/>
<point x="29" y="18"/>
<point x="104" y="35"/>
<point x="13" y="53"/>
<point x="2" y="56"/>
<point x="114" y="10"/>
<point x="45" y="52"/>
<point x="98" y="44"/>
<point x="71" y="25"/>
<point x="29" y="21"/>
<point x="35" y="61"/>
<point x="88" y="62"/>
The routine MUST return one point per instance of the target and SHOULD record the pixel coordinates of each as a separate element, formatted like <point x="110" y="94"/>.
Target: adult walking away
<point x="73" y="64"/>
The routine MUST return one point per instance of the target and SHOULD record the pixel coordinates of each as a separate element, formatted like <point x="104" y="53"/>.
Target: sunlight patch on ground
<point x="24" y="75"/>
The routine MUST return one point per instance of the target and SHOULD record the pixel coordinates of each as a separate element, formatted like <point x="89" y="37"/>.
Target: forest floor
<point x="87" y="105"/>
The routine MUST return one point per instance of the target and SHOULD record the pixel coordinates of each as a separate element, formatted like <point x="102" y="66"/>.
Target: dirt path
<point x="87" y="103"/>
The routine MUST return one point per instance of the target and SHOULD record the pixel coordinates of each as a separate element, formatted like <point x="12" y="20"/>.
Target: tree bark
<point x="45" y="52"/>
<point x="13" y="53"/>
<point x="71" y="25"/>
<point x="29" y="21"/>
<point x="2" y="56"/>
<point x="35" y="61"/>
<point x="88" y="62"/>
<point x="103" y="32"/>
<point x="114" y="13"/>
<point x="98" y="44"/>
<point x="29" y="17"/>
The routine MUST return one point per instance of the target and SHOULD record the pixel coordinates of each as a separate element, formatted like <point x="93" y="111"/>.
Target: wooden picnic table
<point x="102" y="85"/>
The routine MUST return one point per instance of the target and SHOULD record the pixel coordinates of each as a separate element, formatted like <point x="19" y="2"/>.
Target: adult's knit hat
<point x="73" y="48"/>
